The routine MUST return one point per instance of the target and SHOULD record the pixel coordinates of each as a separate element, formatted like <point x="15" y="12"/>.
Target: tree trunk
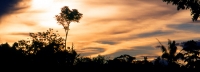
<point x="66" y="31"/>
<point x="66" y="39"/>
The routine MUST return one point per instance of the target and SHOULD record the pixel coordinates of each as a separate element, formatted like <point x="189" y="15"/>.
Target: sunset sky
<point x="108" y="27"/>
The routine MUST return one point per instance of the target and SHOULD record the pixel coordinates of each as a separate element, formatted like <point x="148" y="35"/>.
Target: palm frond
<point x="164" y="50"/>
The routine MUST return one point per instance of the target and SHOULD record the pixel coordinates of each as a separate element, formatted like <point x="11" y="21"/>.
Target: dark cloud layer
<point x="93" y="50"/>
<point x="134" y="51"/>
<point x="142" y="35"/>
<point x="186" y="27"/>
<point x="154" y="33"/>
<point x="107" y="42"/>
<point x="9" y="6"/>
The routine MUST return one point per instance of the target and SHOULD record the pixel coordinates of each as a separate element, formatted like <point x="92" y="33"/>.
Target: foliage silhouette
<point x="99" y="60"/>
<point x="46" y="49"/>
<point x="190" y="53"/>
<point x="193" y="5"/>
<point x="40" y="40"/>
<point x="170" y="52"/>
<point x="66" y="17"/>
<point x="125" y="58"/>
<point x="49" y="52"/>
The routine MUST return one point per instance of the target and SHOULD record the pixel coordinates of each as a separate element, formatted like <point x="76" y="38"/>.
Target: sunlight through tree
<point x="66" y="17"/>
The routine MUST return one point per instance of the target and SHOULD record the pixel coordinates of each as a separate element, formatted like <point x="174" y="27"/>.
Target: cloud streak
<point x="107" y="27"/>
<point x="25" y="34"/>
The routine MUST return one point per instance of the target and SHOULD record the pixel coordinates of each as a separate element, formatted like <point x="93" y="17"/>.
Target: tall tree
<point x="193" y="5"/>
<point x="170" y="52"/>
<point x="66" y="16"/>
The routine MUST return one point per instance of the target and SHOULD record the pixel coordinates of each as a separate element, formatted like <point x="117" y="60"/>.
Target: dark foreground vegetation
<point x="46" y="51"/>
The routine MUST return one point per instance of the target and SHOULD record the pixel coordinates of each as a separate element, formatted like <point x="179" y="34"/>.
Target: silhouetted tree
<point x="71" y="55"/>
<point x="40" y="40"/>
<point x="193" y="5"/>
<point x="190" y="53"/>
<point x="170" y="52"/>
<point x="83" y="61"/>
<point x="46" y="48"/>
<point x="66" y="17"/>
<point x="5" y="54"/>
<point x="125" y="58"/>
<point x="100" y="60"/>
<point x="145" y="59"/>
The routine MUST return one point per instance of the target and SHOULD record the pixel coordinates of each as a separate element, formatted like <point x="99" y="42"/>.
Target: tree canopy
<point x="66" y="16"/>
<point x="193" y="5"/>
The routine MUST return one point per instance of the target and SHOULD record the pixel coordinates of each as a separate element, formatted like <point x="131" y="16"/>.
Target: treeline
<point x="47" y="58"/>
<point x="46" y="51"/>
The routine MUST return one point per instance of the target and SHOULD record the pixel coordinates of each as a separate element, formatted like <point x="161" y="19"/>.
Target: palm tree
<point x="66" y="17"/>
<point x="170" y="52"/>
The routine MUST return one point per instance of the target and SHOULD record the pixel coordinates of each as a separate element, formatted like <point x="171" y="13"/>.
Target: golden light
<point x="48" y="9"/>
<point x="41" y="4"/>
<point x="100" y="22"/>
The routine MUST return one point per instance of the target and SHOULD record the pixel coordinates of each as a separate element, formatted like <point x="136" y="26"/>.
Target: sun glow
<point x="106" y="28"/>
<point x="41" y="4"/>
<point x="48" y="9"/>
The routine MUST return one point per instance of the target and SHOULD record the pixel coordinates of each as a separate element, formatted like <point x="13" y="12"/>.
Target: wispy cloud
<point x="186" y="27"/>
<point x="26" y="34"/>
<point x="107" y="27"/>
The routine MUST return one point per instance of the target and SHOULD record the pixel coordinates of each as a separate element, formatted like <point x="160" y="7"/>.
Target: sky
<point x="108" y="27"/>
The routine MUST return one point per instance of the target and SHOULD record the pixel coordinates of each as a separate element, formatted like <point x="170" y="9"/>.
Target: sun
<point x="41" y="4"/>
<point x="48" y="9"/>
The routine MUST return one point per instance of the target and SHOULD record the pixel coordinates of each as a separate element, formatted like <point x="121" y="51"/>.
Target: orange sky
<point x="112" y="27"/>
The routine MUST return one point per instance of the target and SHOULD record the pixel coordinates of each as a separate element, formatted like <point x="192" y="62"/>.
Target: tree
<point x="193" y="5"/>
<point x="40" y="40"/>
<point x="99" y="60"/>
<point x="170" y="52"/>
<point x="83" y="60"/>
<point x="47" y="48"/>
<point x="66" y="17"/>
<point x="125" y="58"/>
<point x="190" y="53"/>
<point x="5" y="53"/>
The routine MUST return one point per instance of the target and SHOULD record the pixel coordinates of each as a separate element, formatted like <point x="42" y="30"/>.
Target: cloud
<point x="186" y="27"/>
<point x="90" y="50"/>
<point x="11" y="6"/>
<point x="30" y="23"/>
<point x="111" y="27"/>
<point x="107" y="42"/>
<point x="136" y="51"/>
<point x="122" y="26"/>
<point x="131" y="8"/>
<point x="20" y="33"/>
<point x="154" y="33"/>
